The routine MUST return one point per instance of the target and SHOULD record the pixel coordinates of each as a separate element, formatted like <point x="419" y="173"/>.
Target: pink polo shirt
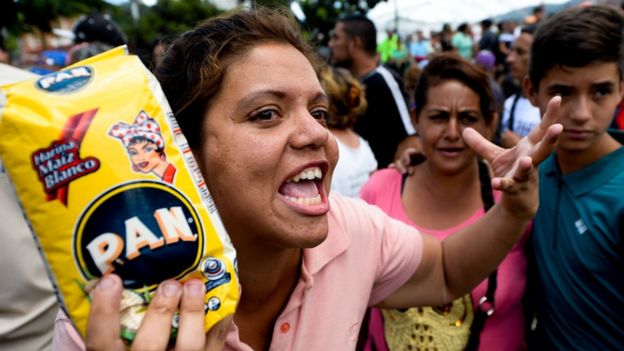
<point x="366" y="256"/>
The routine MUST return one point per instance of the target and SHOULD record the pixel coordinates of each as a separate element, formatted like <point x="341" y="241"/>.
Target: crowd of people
<point x="432" y="230"/>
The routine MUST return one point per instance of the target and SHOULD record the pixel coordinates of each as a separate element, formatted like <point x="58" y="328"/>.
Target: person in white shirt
<point x="519" y="115"/>
<point x="347" y="102"/>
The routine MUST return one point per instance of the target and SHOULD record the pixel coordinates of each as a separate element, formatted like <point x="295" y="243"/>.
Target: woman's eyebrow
<point x="320" y="97"/>
<point x="437" y="110"/>
<point x="262" y="94"/>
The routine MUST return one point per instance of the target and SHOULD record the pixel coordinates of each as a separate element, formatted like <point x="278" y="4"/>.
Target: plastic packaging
<point x="108" y="184"/>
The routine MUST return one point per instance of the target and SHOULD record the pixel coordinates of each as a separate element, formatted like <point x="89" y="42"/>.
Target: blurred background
<point x="37" y="34"/>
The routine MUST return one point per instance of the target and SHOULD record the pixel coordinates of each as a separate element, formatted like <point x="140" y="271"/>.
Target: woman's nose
<point x="308" y="131"/>
<point x="452" y="129"/>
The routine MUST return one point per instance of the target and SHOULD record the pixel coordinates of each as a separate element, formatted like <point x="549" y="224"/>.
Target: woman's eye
<point x="470" y="119"/>
<point x="437" y="117"/>
<point x="320" y="114"/>
<point x="263" y="116"/>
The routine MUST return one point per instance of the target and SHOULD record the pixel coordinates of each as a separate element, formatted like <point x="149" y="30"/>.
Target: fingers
<point x="479" y="144"/>
<point x="154" y="333"/>
<point x="550" y="117"/>
<point x="404" y="162"/>
<point x="521" y="175"/>
<point x="215" y="339"/>
<point x="156" y="325"/>
<point x="191" y="334"/>
<point x="547" y="145"/>
<point x="103" y="327"/>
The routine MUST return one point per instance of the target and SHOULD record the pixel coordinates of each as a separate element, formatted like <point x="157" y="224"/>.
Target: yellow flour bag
<point x="109" y="184"/>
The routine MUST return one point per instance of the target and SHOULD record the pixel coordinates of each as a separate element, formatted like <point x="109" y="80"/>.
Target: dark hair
<point x="529" y="28"/>
<point x="577" y="37"/>
<point x="450" y="66"/>
<point x="139" y="139"/>
<point x="193" y="68"/>
<point x="538" y="9"/>
<point x="359" y="26"/>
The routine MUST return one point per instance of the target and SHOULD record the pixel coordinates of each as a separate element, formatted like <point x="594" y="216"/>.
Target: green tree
<point x="321" y="15"/>
<point x="41" y="13"/>
<point x="269" y="2"/>
<point x="165" y="18"/>
<point x="18" y="17"/>
<point x="22" y="16"/>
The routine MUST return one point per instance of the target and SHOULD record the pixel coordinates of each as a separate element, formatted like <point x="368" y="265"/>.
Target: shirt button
<point x="285" y="327"/>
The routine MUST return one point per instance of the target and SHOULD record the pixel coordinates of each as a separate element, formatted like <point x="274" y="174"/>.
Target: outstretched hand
<point x="513" y="168"/>
<point x="103" y="330"/>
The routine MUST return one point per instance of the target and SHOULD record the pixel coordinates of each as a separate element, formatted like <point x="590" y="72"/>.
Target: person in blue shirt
<point x="578" y="237"/>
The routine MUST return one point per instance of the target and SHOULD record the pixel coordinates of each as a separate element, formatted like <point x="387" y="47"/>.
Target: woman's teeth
<point x="307" y="193"/>
<point x="309" y="174"/>
<point x="308" y="201"/>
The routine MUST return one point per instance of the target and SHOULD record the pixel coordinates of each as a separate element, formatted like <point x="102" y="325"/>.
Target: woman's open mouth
<point x="305" y="191"/>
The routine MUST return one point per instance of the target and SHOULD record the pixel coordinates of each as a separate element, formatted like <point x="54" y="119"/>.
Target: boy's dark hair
<point x="577" y="37"/>
<point x="359" y="26"/>
<point x="450" y="66"/>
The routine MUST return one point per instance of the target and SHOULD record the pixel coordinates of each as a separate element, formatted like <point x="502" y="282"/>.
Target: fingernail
<point x="106" y="282"/>
<point x="171" y="289"/>
<point x="194" y="288"/>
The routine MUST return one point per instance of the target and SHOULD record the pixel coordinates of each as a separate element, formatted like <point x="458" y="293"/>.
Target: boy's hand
<point x="103" y="330"/>
<point x="514" y="168"/>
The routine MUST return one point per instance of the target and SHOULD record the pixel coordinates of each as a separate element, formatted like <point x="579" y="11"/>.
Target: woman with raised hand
<point x="447" y="190"/>
<point x="245" y="92"/>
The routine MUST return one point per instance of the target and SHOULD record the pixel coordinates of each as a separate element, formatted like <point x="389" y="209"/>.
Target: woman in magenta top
<point x="441" y="196"/>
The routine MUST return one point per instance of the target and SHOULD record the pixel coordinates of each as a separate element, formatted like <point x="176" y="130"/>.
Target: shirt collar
<point x="337" y="242"/>
<point x="595" y="174"/>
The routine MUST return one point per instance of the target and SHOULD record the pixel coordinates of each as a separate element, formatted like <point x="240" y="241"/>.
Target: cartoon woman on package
<point x="145" y="146"/>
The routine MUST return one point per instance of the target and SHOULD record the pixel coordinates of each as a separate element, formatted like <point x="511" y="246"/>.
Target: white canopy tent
<point x="409" y="15"/>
